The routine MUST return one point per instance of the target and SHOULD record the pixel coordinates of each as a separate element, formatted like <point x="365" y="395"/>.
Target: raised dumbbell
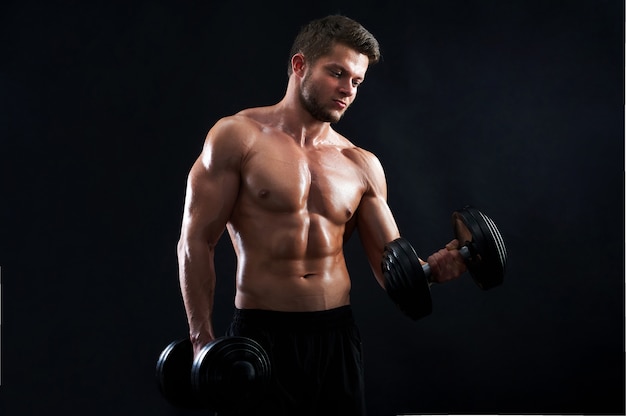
<point x="228" y="374"/>
<point x="407" y="281"/>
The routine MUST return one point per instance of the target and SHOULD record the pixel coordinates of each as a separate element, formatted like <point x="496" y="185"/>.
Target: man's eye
<point x="335" y="74"/>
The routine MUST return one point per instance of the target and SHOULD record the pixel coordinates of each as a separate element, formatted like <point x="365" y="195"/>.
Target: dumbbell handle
<point x="465" y="253"/>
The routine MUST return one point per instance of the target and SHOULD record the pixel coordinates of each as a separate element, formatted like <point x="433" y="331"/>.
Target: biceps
<point x="376" y="225"/>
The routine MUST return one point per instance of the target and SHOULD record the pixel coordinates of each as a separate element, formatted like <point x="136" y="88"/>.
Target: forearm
<point x="197" y="284"/>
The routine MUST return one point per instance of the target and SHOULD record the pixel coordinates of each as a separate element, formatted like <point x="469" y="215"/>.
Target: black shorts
<point x="316" y="359"/>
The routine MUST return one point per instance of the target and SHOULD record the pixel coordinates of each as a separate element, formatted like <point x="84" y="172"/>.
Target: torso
<point x="288" y="224"/>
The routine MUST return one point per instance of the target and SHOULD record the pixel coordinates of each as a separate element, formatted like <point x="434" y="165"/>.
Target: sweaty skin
<point x="290" y="190"/>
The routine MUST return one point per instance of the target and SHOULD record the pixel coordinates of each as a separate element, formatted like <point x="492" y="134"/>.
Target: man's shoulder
<point x="255" y="114"/>
<point x="358" y="155"/>
<point x="235" y="122"/>
<point x="365" y="160"/>
<point x="243" y="124"/>
<point x="236" y="128"/>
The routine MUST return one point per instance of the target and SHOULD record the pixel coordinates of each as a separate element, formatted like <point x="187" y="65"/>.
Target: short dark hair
<point x="318" y="37"/>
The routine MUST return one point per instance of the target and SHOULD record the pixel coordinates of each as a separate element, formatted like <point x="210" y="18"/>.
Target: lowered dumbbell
<point x="228" y="374"/>
<point x="407" y="281"/>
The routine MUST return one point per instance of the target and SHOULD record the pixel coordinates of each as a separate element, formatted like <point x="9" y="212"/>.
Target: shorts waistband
<point x="330" y="318"/>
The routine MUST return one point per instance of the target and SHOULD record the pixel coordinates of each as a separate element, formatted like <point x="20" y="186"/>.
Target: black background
<point x="515" y="107"/>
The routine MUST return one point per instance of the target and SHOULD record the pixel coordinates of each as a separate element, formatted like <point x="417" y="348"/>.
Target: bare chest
<point x="314" y="181"/>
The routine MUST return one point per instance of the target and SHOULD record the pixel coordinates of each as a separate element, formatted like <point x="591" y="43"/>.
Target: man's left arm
<point x="377" y="227"/>
<point x="374" y="219"/>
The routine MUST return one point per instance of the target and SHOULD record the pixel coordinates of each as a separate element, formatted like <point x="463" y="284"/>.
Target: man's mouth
<point x="341" y="104"/>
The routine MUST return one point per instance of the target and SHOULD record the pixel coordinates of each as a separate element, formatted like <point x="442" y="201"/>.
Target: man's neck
<point x="299" y="123"/>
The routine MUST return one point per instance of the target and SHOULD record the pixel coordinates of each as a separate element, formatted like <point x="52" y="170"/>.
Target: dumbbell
<point x="228" y="374"/>
<point x="407" y="281"/>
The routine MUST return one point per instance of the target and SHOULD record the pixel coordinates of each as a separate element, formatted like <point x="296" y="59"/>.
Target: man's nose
<point x="347" y="88"/>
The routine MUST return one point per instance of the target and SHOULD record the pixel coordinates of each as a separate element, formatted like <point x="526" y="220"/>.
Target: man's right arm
<point x="212" y="190"/>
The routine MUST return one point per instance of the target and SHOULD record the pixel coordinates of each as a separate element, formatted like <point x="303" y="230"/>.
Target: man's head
<point x="317" y="39"/>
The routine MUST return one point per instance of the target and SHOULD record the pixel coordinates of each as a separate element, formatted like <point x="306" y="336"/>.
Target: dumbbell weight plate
<point x="230" y="373"/>
<point x="173" y="373"/>
<point x="487" y="262"/>
<point x="405" y="280"/>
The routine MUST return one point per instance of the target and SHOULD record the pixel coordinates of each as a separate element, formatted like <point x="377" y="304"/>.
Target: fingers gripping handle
<point x="463" y="251"/>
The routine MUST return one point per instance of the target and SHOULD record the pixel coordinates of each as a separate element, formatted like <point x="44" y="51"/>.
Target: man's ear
<point x="298" y="64"/>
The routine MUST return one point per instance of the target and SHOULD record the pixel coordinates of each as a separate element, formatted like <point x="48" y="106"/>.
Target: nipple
<point x="264" y="193"/>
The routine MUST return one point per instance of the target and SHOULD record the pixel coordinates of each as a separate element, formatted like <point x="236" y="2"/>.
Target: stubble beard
<point x="309" y="99"/>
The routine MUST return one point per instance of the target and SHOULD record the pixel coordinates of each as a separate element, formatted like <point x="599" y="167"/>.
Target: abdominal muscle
<point x="291" y="263"/>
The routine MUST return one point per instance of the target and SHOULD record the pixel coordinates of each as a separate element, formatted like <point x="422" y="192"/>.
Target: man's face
<point x="330" y="85"/>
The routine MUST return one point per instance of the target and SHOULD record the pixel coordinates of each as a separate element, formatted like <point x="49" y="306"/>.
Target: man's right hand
<point x="198" y="342"/>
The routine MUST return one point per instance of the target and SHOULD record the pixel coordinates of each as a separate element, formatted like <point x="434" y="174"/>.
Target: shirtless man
<point x="290" y="190"/>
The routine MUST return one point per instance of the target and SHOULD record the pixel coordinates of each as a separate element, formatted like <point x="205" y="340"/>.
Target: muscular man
<point x="290" y="190"/>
